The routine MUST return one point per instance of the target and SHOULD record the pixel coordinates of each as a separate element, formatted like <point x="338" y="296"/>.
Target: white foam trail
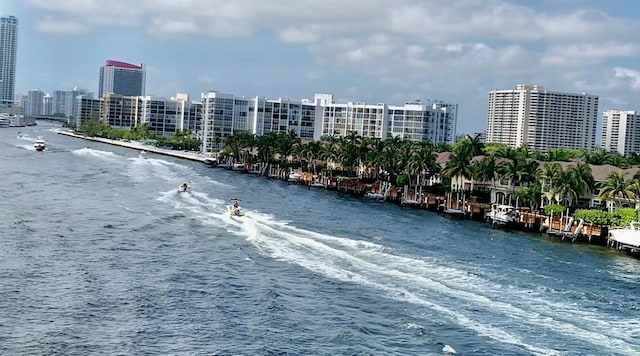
<point x="93" y="153"/>
<point x="27" y="147"/>
<point x="419" y="281"/>
<point x="25" y="137"/>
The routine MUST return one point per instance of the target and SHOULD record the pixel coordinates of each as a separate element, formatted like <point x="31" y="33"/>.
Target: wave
<point x="462" y="297"/>
<point x="93" y="153"/>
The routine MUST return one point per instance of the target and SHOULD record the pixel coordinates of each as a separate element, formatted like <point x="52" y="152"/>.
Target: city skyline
<point x="373" y="51"/>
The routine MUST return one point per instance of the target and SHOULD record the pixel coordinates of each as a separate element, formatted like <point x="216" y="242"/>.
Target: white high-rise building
<point x="122" y="78"/>
<point x="34" y="103"/>
<point x="311" y="119"/>
<point x="433" y="120"/>
<point x="621" y="131"/>
<point x="47" y="105"/>
<point x="8" y="52"/>
<point x="540" y="119"/>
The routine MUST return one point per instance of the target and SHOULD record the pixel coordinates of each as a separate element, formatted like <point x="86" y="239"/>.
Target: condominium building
<point x="8" y="52"/>
<point x="311" y="119"/>
<point x="223" y="114"/>
<point x="47" y="104"/>
<point x="88" y="109"/>
<point x="433" y="121"/>
<point x="122" y="78"/>
<point x="119" y="111"/>
<point x="540" y="119"/>
<point x="165" y="117"/>
<point x="281" y="115"/>
<point x="367" y="120"/>
<point x="34" y="104"/>
<point x="621" y="131"/>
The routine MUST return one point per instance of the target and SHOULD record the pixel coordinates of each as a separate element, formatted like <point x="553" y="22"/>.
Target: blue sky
<point x="360" y="50"/>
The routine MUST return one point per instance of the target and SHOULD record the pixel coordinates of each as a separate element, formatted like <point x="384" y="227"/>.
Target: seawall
<point x="139" y="147"/>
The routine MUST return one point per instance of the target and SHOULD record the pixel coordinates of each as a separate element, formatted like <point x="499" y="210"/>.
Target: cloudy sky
<point x="359" y="50"/>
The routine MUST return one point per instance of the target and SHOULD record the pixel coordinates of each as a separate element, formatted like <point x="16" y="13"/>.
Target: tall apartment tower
<point x="621" y="131"/>
<point x="8" y="51"/>
<point x="122" y="78"/>
<point x="540" y="119"/>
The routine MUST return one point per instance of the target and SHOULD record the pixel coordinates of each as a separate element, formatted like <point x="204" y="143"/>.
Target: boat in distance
<point x="235" y="209"/>
<point x="38" y="144"/>
<point x="184" y="187"/>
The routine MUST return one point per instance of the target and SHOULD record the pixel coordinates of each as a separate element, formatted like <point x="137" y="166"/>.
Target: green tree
<point x="616" y="188"/>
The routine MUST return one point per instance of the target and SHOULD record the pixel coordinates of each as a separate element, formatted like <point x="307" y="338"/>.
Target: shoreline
<point x="139" y="147"/>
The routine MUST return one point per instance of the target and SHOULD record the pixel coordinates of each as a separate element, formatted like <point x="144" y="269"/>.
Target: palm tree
<point x="616" y="188"/>
<point x="459" y="165"/>
<point x="488" y="169"/>
<point x="266" y="145"/>
<point x="475" y="145"/>
<point x="584" y="178"/>
<point x="238" y="143"/>
<point x="549" y="176"/>
<point x="422" y="163"/>
<point x="311" y="153"/>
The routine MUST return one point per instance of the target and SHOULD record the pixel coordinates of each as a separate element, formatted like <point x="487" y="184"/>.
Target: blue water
<point x="99" y="254"/>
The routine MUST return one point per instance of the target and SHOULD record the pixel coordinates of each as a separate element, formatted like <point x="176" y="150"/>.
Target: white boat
<point x="143" y="155"/>
<point x="294" y="177"/>
<point x="38" y="144"/>
<point x="184" y="187"/>
<point x="235" y="209"/>
<point x="377" y="196"/>
<point x="627" y="238"/>
<point x="211" y="161"/>
<point x="502" y="214"/>
<point x="238" y="167"/>
<point x="454" y="213"/>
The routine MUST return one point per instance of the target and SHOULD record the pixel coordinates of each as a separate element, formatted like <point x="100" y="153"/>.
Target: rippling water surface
<point x="99" y="254"/>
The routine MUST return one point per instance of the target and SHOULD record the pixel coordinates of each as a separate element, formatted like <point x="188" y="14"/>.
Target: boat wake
<point x="440" y="289"/>
<point x="444" y="290"/>
<point x="102" y="155"/>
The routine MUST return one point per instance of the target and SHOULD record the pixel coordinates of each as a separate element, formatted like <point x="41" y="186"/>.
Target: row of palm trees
<point x="469" y="161"/>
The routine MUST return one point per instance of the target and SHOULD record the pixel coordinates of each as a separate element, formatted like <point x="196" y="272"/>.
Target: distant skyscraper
<point x="541" y="119"/>
<point x="8" y="50"/>
<point x="35" y="103"/>
<point x="122" y="78"/>
<point x="621" y="131"/>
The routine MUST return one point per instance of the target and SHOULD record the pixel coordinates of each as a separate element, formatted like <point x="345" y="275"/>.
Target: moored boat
<point x="211" y="161"/>
<point x="626" y="239"/>
<point x="501" y="214"/>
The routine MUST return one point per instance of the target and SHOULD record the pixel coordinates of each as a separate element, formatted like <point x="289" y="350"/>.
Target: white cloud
<point x="316" y="75"/>
<point x="69" y="27"/>
<point x="172" y="27"/>
<point x="631" y="75"/>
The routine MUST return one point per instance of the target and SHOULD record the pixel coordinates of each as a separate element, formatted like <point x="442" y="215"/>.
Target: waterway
<point x="99" y="254"/>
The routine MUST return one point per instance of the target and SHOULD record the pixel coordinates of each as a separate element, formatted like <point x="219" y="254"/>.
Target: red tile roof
<point x="112" y="63"/>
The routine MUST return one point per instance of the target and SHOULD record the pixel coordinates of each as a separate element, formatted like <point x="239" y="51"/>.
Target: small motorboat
<point x="143" y="154"/>
<point x="211" y="161"/>
<point x="184" y="187"/>
<point x="38" y="144"/>
<point x="294" y="177"/>
<point x="235" y="209"/>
